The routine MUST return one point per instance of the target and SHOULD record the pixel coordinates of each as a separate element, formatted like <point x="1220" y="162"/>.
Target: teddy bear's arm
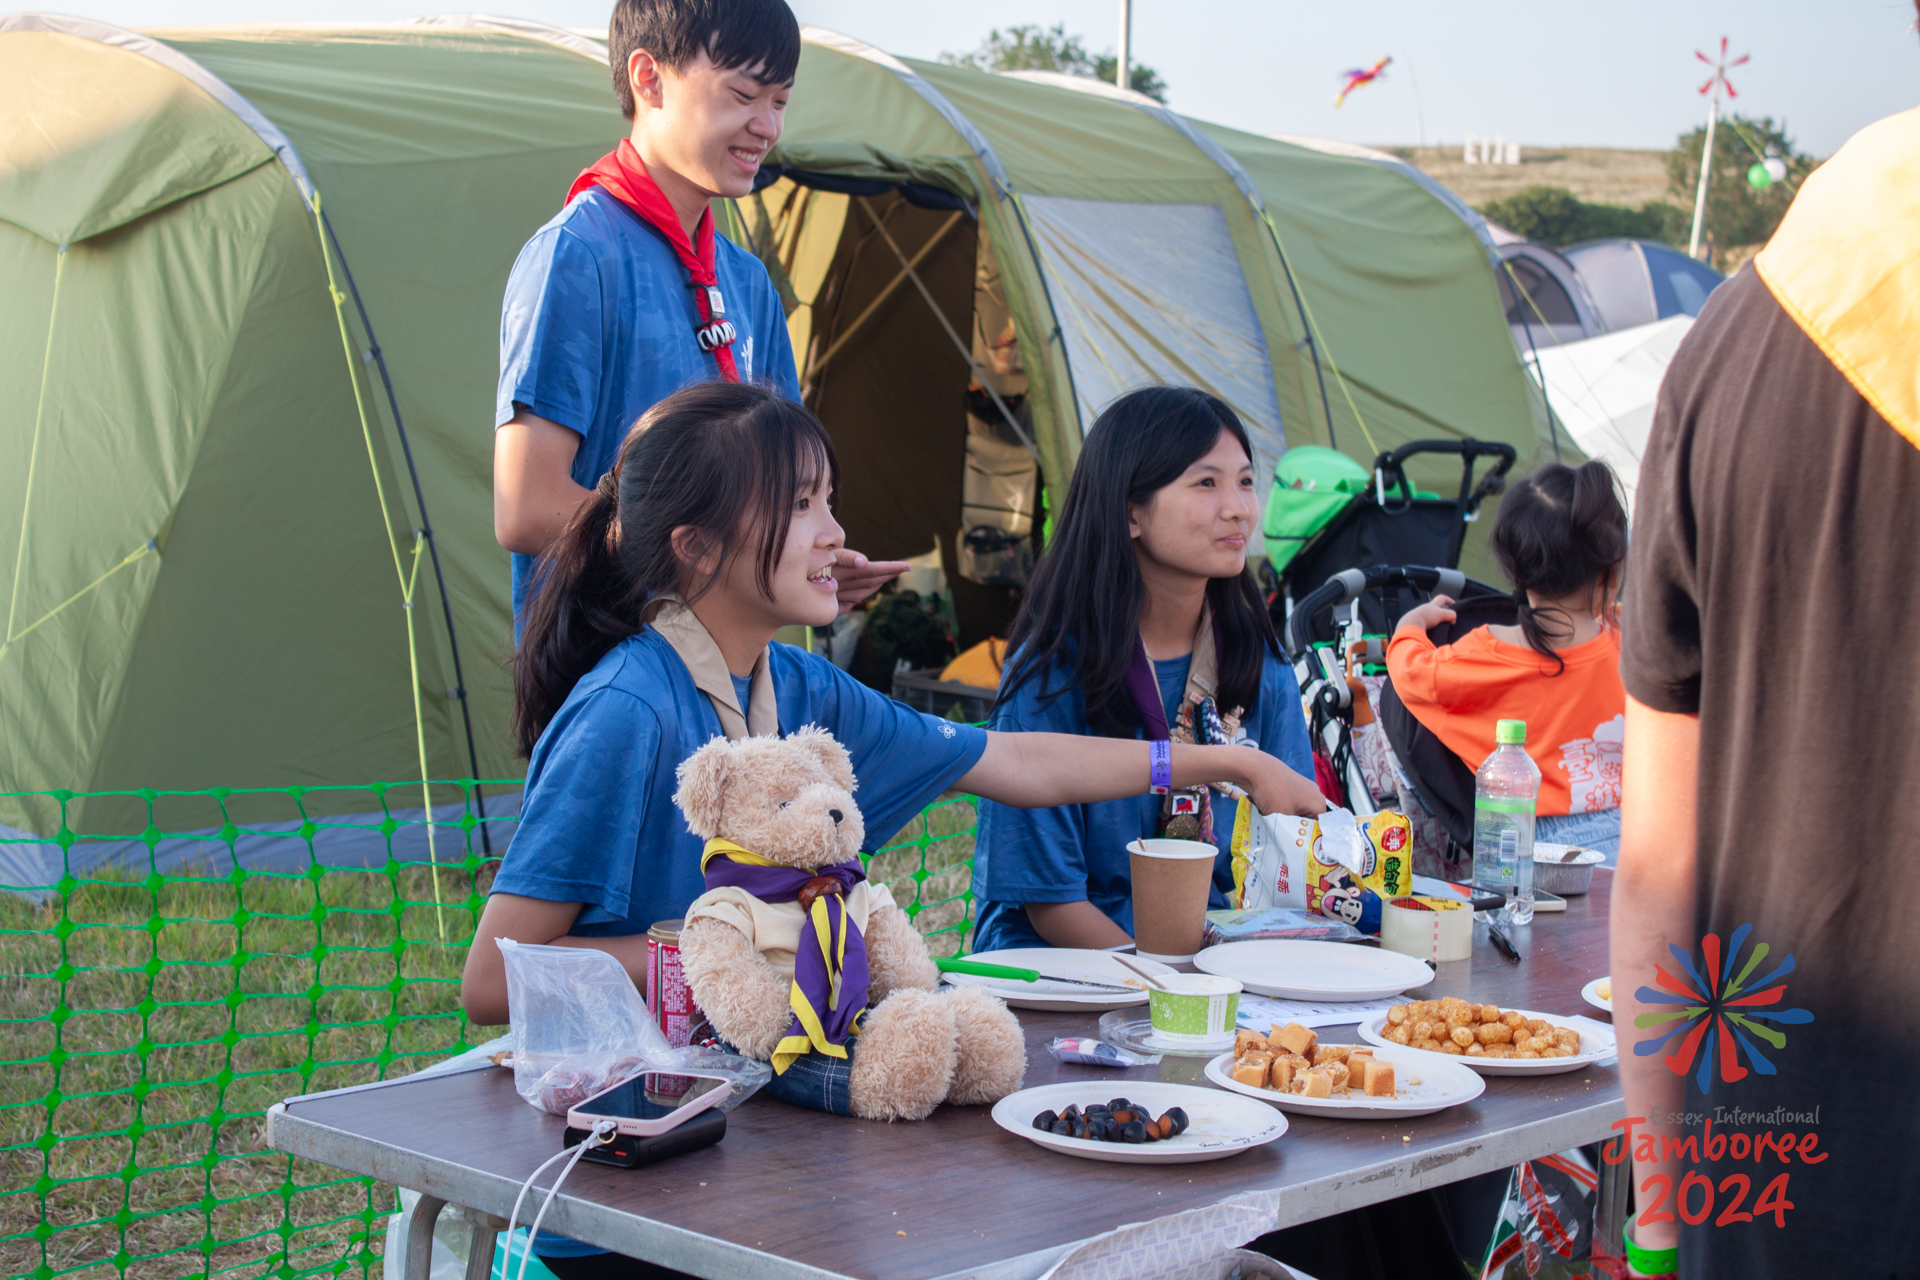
<point x="744" y="997"/>
<point x="897" y="957"/>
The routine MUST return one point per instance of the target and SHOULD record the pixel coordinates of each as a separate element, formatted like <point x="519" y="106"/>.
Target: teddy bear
<point x="792" y="950"/>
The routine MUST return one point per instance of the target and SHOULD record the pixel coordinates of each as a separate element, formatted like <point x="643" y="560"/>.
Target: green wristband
<point x="1649" y="1262"/>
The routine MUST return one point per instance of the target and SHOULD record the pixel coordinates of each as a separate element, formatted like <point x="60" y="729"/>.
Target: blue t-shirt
<point x="742" y="690"/>
<point x="597" y="328"/>
<point x="1171" y="675"/>
<point x="598" y="824"/>
<point x="1076" y="852"/>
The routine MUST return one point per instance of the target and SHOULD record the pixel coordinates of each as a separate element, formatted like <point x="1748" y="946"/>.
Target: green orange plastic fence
<point x="227" y="957"/>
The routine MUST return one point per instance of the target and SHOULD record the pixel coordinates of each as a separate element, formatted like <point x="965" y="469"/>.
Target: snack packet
<point x="1097" y="1053"/>
<point x="1333" y="866"/>
<point x="1352" y="869"/>
<point x="1269" y="859"/>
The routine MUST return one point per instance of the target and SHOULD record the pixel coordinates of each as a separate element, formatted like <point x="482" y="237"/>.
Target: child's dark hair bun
<point x="1560" y="531"/>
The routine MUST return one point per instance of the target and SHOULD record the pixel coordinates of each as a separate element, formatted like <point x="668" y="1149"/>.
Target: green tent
<point x="249" y="296"/>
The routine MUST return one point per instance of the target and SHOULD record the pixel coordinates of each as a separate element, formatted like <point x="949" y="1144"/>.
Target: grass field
<point x="1598" y="174"/>
<point x="149" y="1024"/>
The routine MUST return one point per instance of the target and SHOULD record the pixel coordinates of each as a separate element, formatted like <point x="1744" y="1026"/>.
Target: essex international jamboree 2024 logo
<point x="1714" y="1014"/>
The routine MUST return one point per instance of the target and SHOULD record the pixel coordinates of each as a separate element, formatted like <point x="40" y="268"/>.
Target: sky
<point x="1548" y="73"/>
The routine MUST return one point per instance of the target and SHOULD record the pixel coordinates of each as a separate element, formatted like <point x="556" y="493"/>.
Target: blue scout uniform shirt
<point x="1080" y="851"/>
<point x="597" y="328"/>
<point x="598" y="824"/>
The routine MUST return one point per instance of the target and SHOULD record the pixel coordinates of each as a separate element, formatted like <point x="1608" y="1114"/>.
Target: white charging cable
<point x="602" y="1134"/>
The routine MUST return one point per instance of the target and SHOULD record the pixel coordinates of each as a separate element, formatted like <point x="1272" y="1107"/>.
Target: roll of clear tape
<point x="1431" y="929"/>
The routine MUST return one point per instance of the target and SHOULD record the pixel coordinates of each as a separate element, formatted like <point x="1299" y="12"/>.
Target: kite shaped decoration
<point x="1357" y="77"/>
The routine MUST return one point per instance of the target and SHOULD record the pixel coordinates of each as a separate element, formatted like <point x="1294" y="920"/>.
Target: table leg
<point x="486" y="1230"/>
<point x="420" y="1236"/>
<point x="1610" y="1208"/>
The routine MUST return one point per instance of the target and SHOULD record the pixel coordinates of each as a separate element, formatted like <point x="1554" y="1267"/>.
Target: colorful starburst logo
<point x="1714" y="1009"/>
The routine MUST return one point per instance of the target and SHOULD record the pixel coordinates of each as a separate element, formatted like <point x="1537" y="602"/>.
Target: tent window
<point x="1153" y="293"/>
<point x="1546" y="293"/>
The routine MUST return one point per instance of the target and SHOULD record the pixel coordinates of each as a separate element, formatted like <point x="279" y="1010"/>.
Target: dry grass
<point x="1596" y="174"/>
<point x="150" y="1023"/>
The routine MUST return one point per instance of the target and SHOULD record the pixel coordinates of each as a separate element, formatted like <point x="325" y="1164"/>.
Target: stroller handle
<point x="1350" y="584"/>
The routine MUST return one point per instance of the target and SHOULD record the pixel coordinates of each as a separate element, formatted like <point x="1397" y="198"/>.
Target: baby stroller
<point x="1372" y="750"/>
<point x="1327" y="514"/>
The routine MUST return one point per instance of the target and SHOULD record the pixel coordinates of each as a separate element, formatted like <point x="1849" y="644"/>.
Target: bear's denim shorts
<point x="815" y="1081"/>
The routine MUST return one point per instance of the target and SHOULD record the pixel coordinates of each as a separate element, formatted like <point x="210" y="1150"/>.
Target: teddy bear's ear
<point x="827" y="749"/>
<point x="703" y="786"/>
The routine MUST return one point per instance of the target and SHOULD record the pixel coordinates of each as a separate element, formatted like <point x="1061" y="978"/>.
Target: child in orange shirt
<point x="1561" y="537"/>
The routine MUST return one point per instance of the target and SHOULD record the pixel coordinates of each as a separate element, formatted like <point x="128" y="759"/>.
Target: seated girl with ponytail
<point x="1561" y="537"/>
<point x="651" y="632"/>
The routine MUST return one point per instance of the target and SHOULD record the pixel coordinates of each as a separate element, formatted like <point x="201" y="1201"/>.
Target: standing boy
<point x="627" y="294"/>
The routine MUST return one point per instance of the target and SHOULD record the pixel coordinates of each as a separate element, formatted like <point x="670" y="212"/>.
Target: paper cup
<point x="1199" y="1013"/>
<point x="1171" y="879"/>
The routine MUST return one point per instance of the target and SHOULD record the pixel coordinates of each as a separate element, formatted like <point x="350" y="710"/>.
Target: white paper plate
<point x="1064" y="962"/>
<point x="1591" y="994"/>
<point x="1295" y="969"/>
<point x="1596" y="1042"/>
<point x="1442" y="1084"/>
<point x="1219" y="1124"/>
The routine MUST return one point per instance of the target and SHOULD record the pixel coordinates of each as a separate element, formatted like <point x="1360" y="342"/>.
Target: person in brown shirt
<point x="1771" y="659"/>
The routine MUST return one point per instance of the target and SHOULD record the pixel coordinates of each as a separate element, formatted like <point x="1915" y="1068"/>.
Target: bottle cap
<point x="1510" y="733"/>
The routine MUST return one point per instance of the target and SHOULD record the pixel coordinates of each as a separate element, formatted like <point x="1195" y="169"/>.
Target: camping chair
<point x="1437" y="780"/>
<point x="1326" y="515"/>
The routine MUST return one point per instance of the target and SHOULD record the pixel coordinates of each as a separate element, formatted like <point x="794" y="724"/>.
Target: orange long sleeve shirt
<point x="1575" y="720"/>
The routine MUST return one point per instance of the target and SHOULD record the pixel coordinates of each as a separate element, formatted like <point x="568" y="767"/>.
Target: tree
<point x="1035" y="48"/>
<point x="1556" y="216"/>
<point x="1737" y="212"/>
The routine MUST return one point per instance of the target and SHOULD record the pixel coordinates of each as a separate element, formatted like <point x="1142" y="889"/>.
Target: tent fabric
<point x="1603" y="390"/>
<point x="1636" y="282"/>
<point x="208" y="593"/>
<point x="1152" y="294"/>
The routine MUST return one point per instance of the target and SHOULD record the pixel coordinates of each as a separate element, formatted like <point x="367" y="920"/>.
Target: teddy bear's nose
<point x="835" y="814"/>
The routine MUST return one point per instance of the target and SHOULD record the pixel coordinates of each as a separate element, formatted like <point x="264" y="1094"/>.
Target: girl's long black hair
<point x="727" y="460"/>
<point x="1083" y="605"/>
<point x="1559" y="531"/>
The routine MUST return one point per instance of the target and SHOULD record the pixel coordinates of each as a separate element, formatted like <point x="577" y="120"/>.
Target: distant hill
<point x="1598" y="174"/>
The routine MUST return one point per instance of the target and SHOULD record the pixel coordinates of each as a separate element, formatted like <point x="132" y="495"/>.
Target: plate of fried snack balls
<point x="1490" y="1040"/>
<point x="1292" y="1069"/>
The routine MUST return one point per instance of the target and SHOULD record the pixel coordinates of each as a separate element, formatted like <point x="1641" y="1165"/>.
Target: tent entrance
<point x="905" y="350"/>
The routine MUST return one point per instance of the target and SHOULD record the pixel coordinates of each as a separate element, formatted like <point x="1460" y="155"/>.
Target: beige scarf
<point x="669" y="615"/>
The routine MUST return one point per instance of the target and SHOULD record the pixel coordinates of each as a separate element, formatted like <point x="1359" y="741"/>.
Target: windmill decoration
<point x="1715" y="83"/>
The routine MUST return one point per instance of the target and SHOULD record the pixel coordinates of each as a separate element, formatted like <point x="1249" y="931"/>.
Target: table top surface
<point x="794" y="1193"/>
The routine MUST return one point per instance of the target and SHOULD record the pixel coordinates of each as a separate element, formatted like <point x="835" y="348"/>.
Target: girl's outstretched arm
<point x="1041" y="770"/>
<point x="483" y="983"/>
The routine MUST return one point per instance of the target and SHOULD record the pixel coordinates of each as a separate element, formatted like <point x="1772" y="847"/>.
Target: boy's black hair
<point x="734" y="33"/>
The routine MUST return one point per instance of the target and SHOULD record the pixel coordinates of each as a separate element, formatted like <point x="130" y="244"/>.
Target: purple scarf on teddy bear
<point x="829" y="990"/>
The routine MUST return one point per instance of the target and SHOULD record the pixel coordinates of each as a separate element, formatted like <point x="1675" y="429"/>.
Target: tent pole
<point x="815" y="368"/>
<point x="966" y="352"/>
<point x="1121" y="78"/>
<point x="426" y="530"/>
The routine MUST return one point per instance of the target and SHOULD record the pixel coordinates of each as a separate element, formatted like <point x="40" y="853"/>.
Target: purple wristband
<point x="1160" y="752"/>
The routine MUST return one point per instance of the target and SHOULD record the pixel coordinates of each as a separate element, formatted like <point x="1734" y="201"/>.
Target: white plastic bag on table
<point x="580" y="1027"/>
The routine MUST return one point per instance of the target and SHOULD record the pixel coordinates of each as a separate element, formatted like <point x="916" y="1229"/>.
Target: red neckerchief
<point x="624" y="175"/>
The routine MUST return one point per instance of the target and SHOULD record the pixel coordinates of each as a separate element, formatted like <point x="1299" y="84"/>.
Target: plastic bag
<point x="1545" y="1230"/>
<point x="580" y="1028"/>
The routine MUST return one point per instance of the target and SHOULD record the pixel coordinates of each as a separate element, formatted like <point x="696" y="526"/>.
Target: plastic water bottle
<point x="1505" y="791"/>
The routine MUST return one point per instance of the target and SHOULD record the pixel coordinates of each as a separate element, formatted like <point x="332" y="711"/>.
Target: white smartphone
<point x="652" y="1103"/>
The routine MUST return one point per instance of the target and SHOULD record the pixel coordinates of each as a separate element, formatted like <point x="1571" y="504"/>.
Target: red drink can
<point x="669" y="998"/>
